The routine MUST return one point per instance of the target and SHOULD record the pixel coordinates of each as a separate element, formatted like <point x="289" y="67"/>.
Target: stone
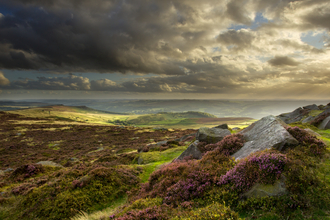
<point x="140" y="160"/>
<point x="308" y="119"/>
<point x="49" y="163"/>
<point x="223" y="126"/>
<point x="160" y="129"/>
<point x="311" y="107"/>
<point x="74" y="159"/>
<point x="2" y="173"/>
<point x="262" y="190"/>
<point x="267" y="133"/>
<point x="211" y="135"/>
<point x="325" y="124"/>
<point x="8" y="170"/>
<point x="294" y="116"/>
<point x="235" y="128"/>
<point x="185" y="137"/>
<point x="311" y="132"/>
<point x="192" y="150"/>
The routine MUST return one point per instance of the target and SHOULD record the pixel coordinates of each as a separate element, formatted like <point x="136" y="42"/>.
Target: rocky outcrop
<point x="308" y="119"/>
<point x="211" y="135"/>
<point x="311" y="107"/>
<point x="191" y="151"/>
<point x="262" y="190"/>
<point x="311" y="132"/>
<point x="223" y="126"/>
<point x="267" y="133"/>
<point x="294" y="116"/>
<point x="325" y="124"/>
<point x="185" y="137"/>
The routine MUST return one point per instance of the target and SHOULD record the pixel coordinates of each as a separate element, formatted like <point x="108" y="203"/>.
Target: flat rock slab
<point x="325" y="124"/>
<point x="211" y="135"/>
<point x="192" y="150"/>
<point x="267" y="133"/>
<point x="262" y="190"/>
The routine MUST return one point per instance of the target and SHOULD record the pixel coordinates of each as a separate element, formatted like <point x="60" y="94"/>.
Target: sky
<point x="210" y="49"/>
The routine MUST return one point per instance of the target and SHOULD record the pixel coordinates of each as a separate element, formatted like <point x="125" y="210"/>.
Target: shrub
<point x="152" y="213"/>
<point x="214" y="211"/>
<point x="316" y="146"/>
<point x="262" y="167"/>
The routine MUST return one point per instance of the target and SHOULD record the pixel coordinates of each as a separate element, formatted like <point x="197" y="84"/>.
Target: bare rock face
<point x="211" y="135"/>
<point x="192" y="150"/>
<point x="223" y="126"/>
<point x="262" y="190"/>
<point x="311" y="107"/>
<point x="325" y="124"/>
<point x="308" y="119"/>
<point x="294" y="116"/>
<point x="267" y="133"/>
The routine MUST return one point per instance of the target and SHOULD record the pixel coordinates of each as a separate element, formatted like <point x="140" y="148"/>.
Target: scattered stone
<point x="8" y="170"/>
<point x="192" y="151"/>
<point x="211" y="135"/>
<point x="294" y="116"/>
<point x="308" y="119"/>
<point x="262" y="190"/>
<point x="267" y="133"/>
<point x="122" y="127"/>
<point x="311" y="132"/>
<point x="140" y="160"/>
<point x="49" y="163"/>
<point x="19" y="134"/>
<point x="223" y="126"/>
<point x="185" y="137"/>
<point x="235" y="128"/>
<point x="158" y="144"/>
<point x="2" y="173"/>
<point x="311" y="107"/>
<point x="74" y="159"/>
<point x="135" y="138"/>
<point x="160" y="129"/>
<point x="325" y="124"/>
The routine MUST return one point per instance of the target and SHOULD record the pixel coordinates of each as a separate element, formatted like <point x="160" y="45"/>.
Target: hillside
<point x="51" y="168"/>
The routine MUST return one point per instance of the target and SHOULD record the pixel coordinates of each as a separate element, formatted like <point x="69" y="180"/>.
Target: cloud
<point x="283" y="61"/>
<point x="3" y="80"/>
<point x="241" y="39"/>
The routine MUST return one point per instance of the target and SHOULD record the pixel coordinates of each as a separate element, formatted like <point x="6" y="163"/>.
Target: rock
<point x="311" y="132"/>
<point x="311" y="107"/>
<point x="158" y="144"/>
<point x="267" y="133"/>
<point x="160" y="129"/>
<point x="74" y="159"/>
<point x="2" y="173"/>
<point x="211" y="135"/>
<point x="192" y="150"/>
<point x="223" y="126"/>
<point x="185" y="137"/>
<point x="294" y="116"/>
<point x="262" y="190"/>
<point x="49" y="163"/>
<point x="8" y="170"/>
<point x="235" y="128"/>
<point x="121" y="127"/>
<point x="308" y="119"/>
<point x="140" y="160"/>
<point x="325" y="124"/>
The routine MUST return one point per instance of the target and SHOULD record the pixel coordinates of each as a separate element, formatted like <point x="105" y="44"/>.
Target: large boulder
<point x="294" y="116"/>
<point x="325" y="124"/>
<point x="311" y="107"/>
<point x="308" y="119"/>
<point x="262" y="190"/>
<point x="222" y="126"/>
<point x="267" y="133"/>
<point x="211" y="135"/>
<point x="191" y="151"/>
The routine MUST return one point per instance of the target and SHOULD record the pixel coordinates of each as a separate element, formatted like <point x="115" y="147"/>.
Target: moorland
<point x="61" y="162"/>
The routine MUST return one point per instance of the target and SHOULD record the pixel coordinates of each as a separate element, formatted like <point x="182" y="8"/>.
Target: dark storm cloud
<point x="283" y="61"/>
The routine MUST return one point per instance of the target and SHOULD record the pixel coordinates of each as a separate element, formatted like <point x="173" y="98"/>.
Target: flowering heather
<point x="228" y="145"/>
<point x="315" y="145"/>
<point x="263" y="167"/>
<point x="319" y="119"/>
